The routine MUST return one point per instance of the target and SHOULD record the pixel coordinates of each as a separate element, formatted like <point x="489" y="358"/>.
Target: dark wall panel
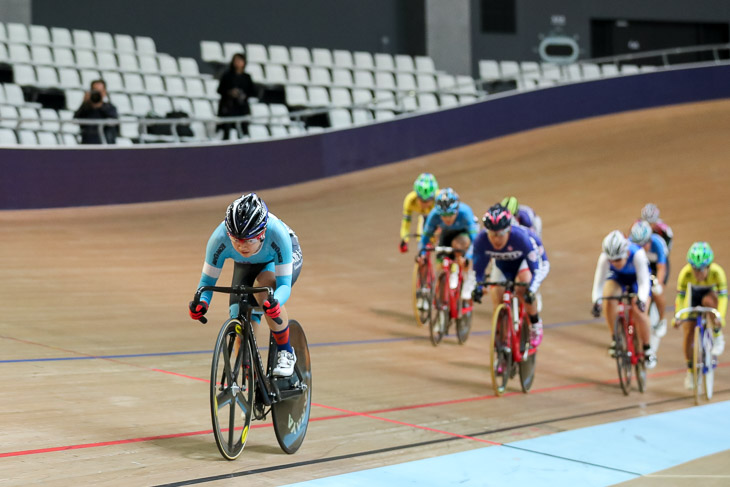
<point x="76" y="177"/>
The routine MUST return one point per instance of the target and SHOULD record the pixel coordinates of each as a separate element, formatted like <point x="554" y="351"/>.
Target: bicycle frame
<point x="453" y="293"/>
<point x="627" y="318"/>
<point x="517" y="314"/>
<point x="703" y="362"/>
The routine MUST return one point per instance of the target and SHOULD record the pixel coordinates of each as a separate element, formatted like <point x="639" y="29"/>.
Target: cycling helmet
<point x="700" y="255"/>
<point x="247" y="217"/>
<point x="616" y="245"/>
<point x="650" y="213"/>
<point x="447" y="202"/>
<point x="426" y="186"/>
<point x="641" y="232"/>
<point x="511" y="204"/>
<point x="497" y="218"/>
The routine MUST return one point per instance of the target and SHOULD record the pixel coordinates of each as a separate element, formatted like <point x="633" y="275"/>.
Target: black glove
<point x="596" y="310"/>
<point x="403" y="246"/>
<point x="477" y="294"/>
<point x="197" y="310"/>
<point x="641" y="305"/>
<point x="529" y="297"/>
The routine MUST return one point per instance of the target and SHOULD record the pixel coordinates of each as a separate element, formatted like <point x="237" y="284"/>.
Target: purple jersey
<point x="519" y="247"/>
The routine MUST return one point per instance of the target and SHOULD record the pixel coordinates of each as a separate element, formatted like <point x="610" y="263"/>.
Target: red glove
<point x="272" y="308"/>
<point x="197" y="312"/>
<point x="403" y="246"/>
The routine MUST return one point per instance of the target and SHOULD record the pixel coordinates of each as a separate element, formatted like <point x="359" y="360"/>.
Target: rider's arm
<point x="481" y="258"/>
<point x="215" y="255"/>
<point x="721" y="292"/>
<point x="428" y="229"/>
<point x="643" y="278"/>
<point x="283" y="263"/>
<point x="473" y="231"/>
<point x="405" y="227"/>
<point x="682" y="281"/>
<point x="533" y="263"/>
<point x="602" y="267"/>
<point x="543" y="267"/>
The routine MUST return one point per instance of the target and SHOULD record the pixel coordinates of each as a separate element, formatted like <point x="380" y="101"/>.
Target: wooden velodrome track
<point x="106" y="288"/>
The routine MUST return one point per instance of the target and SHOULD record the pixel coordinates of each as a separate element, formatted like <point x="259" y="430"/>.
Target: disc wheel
<point x="623" y="360"/>
<point x="500" y="355"/>
<point x="440" y="316"/>
<point x="529" y="356"/>
<point x="291" y="414"/>
<point x="231" y="390"/>
<point x="640" y="367"/>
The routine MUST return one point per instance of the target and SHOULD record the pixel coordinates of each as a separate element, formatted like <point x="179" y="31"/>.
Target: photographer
<point x="95" y="106"/>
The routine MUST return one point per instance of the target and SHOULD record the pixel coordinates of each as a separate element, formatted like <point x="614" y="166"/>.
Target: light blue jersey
<point x="275" y="253"/>
<point x="464" y="222"/>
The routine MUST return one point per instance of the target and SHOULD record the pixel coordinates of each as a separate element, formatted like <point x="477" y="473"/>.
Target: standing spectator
<point x="96" y="105"/>
<point x="235" y="88"/>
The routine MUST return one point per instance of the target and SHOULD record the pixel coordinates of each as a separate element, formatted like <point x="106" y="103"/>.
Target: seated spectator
<point x="96" y="105"/>
<point x="235" y="88"/>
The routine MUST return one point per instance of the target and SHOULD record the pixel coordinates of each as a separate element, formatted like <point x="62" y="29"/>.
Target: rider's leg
<point x="718" y="346"/>
<point x="496" y="292"/>
<point x="524" y="275"/>
<point x="462" y="243"/>
<point x="611" y="288"/>
<point x="268" y="279"/>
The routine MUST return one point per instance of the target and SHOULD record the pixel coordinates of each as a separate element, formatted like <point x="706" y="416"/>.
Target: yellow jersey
<point x="413" y="205"/>
<point x="715" y="279"/>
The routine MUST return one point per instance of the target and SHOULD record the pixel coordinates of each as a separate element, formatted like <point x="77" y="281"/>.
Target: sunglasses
<point x="247" y="241"/>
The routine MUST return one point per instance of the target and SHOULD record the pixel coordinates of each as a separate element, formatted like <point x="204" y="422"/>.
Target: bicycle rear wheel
<point x="527" y="365"/>
<point x="500" y="355"/>
<point x="623" y="360"/>
<point x="697" y="365"/>
<point x="708" y="368"/>
<point x="463" y="323"/>
<point x="640" y="367"/>
<point x="440" y="315"/>
<point x="422" y="294"/>
<point x="291" y="414"/>
<point x="231" y="390"/>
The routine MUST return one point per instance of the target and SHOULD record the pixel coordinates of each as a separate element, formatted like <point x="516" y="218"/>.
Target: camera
<point x="95" y="96"/>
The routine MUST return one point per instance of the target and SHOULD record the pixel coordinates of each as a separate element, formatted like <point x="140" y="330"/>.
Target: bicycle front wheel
<point x="440" y="315"/>
<point x="463" y="322"/>
<point x="291" y="413"/>
<point x="623" y="359"/>
<point x="500" y="355"/>
<point x="697" y="365"/>
<point x="640" y="367"/>
<point x="707" y="364"/>
<point x="231" y="390"/>
<point x="422" y="294"/>
<point x="527" y="366"/>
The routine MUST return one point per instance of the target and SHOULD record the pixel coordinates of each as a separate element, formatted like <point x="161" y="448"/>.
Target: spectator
<point x="235" y="88"/>
<point x="95" y="106"/>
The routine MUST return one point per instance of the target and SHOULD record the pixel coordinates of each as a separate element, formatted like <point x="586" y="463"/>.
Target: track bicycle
<point x="510" y="350"/>
<point x="703" y="362"/>
<point x="448" y="307"/>
<point x="240" y="389"/>
<point x="629" y="352"/>
<point x="423" y="278"/>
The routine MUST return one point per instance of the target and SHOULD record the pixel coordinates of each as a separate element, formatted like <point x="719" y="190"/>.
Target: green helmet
<point x="426" y="186"/>
<point x="510" y="202"/>
<point x="700" y="255"/>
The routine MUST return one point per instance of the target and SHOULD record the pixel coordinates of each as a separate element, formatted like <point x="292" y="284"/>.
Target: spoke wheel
<point x="291" y="414"/>
<point x="709" y="368"/>
<point x="500" y="355"/>
<point x="697" y="365"/>
<point x="463" y="323"/>
<point x="422" y="294"/>
<point x="640" y="367"/>
<point x="527" y="366"/>
<point x="441" y="315"/>
<point x="231" y="390"/>
<point x="623" y="360"/>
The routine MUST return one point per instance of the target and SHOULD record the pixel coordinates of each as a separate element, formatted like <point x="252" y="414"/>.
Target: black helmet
<point x="497" y="218"/>
<point x="247" y="217"/>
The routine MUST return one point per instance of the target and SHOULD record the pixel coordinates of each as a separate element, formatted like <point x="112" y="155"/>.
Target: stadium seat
<point x="148" y="64"/>
<point x="427" y="102"/>
<point x="260" y="112"/>
<point x="361" y="96"/>
<point x="182" y="104"/>
<point x="211" y="87"/>
<point x="361" y="116"/>
<point x="322" y="57"/>
<point x="24" y="74"/>
<point x="385" y="99"/>
<point x="551" y="71"/>
<point x="489" y="70"/>
<point x="103" y="41"/>
<point x="258" y="131"/>
<point x="113" y="80"/>
<point x="168" y="65"/>
<point x="62" y="56"/>
<point x="231" y="48"/>
<point x="49" y="120"/>
<point x="85" y="59"/>
<point x="383" y="115"/>
<point x="141" y="105"/>
<point x="591" y="71"/>
<point x="123" y="141"/>
<point x="320" y="75"/>
<point x="279" y="114"/>
<point x="133" y="83"/>
<point x="88" y="76"/>
<point x="465" y="85"/>
<point x="124" y="43"/>
<point x="424" y="64"/>
<point x="446" y="82"/>
<point x="363" y="60"/>
<point x="339" y="118"/>
<point x="174" y="86"/>
<point x="212" y="52"/>
<point x="27" y="137"/>
<point x="384" y="80"/>
<point x="14" y="94"/>
<point x="188" y="67"/>
<point x="404" y="63"/>
<point x="384" y="62"/>
<point x="41" y="55"/>
<point x="153" y="85"/>
<point x="295" y="96"/>
<point x="39" y="35"/>
<point x="447" y="100"/>
<point x="202" y="109"/>
<point x="74" y="98"/>
<point x="255" y="53"/>
<point x="342" y="77"/>
<point x="106" y="61"/>
<point x="47" y="77"/>
<point x="408" y="103"/>
<point x="61" y="37"/>
<point x="300" y="55"/>
<point x="509" y="69"/>
<point x="128" y="63"/>
<point x="69" y="140"/>
<point x="297" y="75"/>
<point x="340" y="97"/>
<point x="364" y="79"/>
<point x="145" y="45"/>
<point x="256" y="72"/>
<point x="8" y="116"/>
<point x="275" y="74"/>
<point x="83" y="39"/>
<point x="7" y="137"/>
<point x="161" y="105"/>
<point x="194" y="88"/>
<point x="47" y="139"/>
<point x="405" y="82"/>
<point x="609" y="70"/>
<point x="279" y="55"/>
<point x="18" y="33"/>
<point x="342" y="58"/>
<point x="278" y="131"/>
<point x="19" y="53"/>
<point x="318" y="96"/>
<point x="122" y="102"/>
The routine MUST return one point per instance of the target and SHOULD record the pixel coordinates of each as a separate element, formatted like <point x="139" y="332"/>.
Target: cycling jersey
<point x="664" y="231"/>
<point x="716" y="280"/>
<point x="412" y="204"/>
<point x="527" y="217"/>
<point x="657" y="253"/>
<point x="522" y="246"/>
<point x="464" y="221"/>
<point x="275" y="253"/>
<point x="634" y="274"/>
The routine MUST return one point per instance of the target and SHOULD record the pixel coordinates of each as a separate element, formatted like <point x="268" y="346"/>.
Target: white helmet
<point x="641" y="232"/>
<point x="616" y="245"/>
<point x="650" y="213"/>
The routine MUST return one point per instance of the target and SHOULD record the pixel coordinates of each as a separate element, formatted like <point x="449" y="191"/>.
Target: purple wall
<point x="33" y="178"/>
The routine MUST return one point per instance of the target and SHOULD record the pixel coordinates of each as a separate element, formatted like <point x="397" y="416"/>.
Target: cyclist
<point x="657" y="253"/>
<point x="623" y="265"/>
<point x="418" y="202"/>
<point x="709" y="288"/>
<point x="650" y="213"/>
<point x="519" y="257"/>
<point x="265" y="252"/>
<point x="458" y="230"/>
<point x="523" y="214"/>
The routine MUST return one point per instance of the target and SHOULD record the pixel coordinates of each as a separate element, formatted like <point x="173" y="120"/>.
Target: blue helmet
<point x="641" y="232"/>
<point x="447" y="202"/>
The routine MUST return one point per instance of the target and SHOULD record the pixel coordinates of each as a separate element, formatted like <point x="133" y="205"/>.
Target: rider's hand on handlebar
<point x="421" y="256"/>
<point x="197" y="310"/>
<point x="596" y="310"/>
<point x="657" y="289"/>
<point x="641" y="305"/>
<point x="271" y="307"/>
<point x="403" y="247"/>
<point x="477" y="294"/>
<point x="675" y="323"/>
<point x="529" y="297"/>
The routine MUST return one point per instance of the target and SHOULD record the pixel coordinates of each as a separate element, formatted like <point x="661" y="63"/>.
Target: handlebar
<point x="622" y="297"/>
<point x="507" y="284"/>
<point x="241" y="289"/>
<point x="697" y="309"/>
